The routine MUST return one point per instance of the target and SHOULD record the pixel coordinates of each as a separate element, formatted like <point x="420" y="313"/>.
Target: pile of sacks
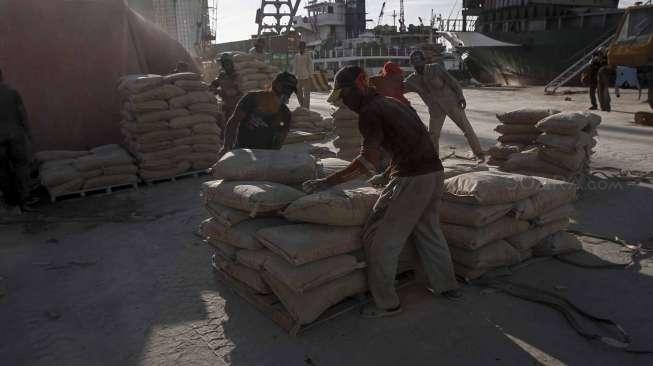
<point x="63" y="172"/>
<point x="494" y="219"/>
<point x="171" y="123"/>
<point x="349" y="137"/>
<point x="273" y="238"/>
<point x="253" y="74"/>
<point x="306" y="120"/>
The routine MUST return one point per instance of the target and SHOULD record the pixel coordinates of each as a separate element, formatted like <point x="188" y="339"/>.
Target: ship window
<point x="330" y="10"/>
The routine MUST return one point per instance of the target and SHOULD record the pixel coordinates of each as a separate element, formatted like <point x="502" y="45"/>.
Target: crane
<point x="402" y="17"/>
<point x="378" y="23"/>
<point x="421" y="21"/>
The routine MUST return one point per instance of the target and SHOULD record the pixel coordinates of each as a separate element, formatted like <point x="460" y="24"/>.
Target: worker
<point x="390" y="82"/>
<point x="181" y="67"/>
<point x="304" y="68"/>
<point x="443" y="96"/>
<point x="261" y="119"/>
<point x="15" y="156"/>
<point x="591" y="74"/>
<point x="259" y="49"/>
<point x="606" y="77"/>
<point x="409" y="204"/>
<point x="227" y="85"/>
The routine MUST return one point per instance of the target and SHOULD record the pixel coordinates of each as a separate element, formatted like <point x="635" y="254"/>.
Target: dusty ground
<point x="122" y="280"/>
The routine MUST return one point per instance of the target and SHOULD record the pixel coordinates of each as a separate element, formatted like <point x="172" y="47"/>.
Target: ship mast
<point x="402" y="17"/>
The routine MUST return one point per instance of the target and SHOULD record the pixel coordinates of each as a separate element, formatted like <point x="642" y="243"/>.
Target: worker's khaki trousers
<point x="304" y="92"/>
<point x="444" y="106"/>
<point x="408" y="209"/>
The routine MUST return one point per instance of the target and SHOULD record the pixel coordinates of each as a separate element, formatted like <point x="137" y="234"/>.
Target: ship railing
<point x="457" y="25"/>
<point x="364" y="52"/>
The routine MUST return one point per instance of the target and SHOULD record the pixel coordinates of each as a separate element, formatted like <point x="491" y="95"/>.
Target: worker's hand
<point x="312" y="186"/>
<point x="462" y="103"/>
<point x="255" y="122"/>
<point x="378" y="181"/>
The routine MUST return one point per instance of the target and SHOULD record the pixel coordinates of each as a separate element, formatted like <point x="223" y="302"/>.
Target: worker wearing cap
<point x="390" y="82"/>
<point x="304" y="68"/>
<point x="443" y="96"/>
<point x="591" y="73"/>
<point x="261" y="119"/>
<point x="409" y="204"/>
<point x="227" y="85"/>
<point x="259" y="49"/>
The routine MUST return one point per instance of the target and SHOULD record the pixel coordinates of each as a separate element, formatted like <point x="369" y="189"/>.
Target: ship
<point x="531" y="41"/>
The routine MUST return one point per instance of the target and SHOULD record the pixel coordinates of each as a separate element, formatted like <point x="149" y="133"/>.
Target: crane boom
<point x="402" y="17"/>
<point x="378" y="23"/>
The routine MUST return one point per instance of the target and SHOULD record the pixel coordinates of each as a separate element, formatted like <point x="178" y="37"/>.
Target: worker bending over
<point x="410" y="202"/>
<point x="304" y="68"/>
<point x="261" y="119"/>
<point x="227" y="86"/>
<point x="443" y="96"/>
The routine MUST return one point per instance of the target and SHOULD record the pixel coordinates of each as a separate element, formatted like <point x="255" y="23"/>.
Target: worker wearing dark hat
<point x="261" y="119"/>
<point x="227" y="85"/>
<point x="409" y="204"/>
<point x="443" y="96"/>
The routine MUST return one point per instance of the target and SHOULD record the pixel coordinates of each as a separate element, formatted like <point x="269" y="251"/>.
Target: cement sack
<point x="120" y="169"/>
<point x="139" y="83"/>
<point x="223" y="250"/>
<point x="59" y="176"/>
<point x="472" y="238"/>
<point x="165" y="154"/>
<point x="349" y="207"/>
<point x="192" y="120"/>
<point x="253" y="197"/>
<point x="110" y="181"/>
<point x="210" y="128"/>
<point x="345" y="113"/>
<point x="490" y="188"/>
<point x="227" y="216"/>
<point x="243" y="235"/>
<point x="525" y="116"/>
<point x="503" y="151"/>
<point x="213" y="229"/>
<point x="91" y="174"/>
<point x="570" y="161"/>
<point x="561" y="213"/>
<point x="248" y="276"/>
<point x="202" y="156"/>
<point x="254" y="259"/>
<point x="530" y="160"/>
<point x="519" y="139"/>
<point x="568" y="123"/>
<point x="530" y="238"/>
<point x="266" y="165"/>
<point x="206" y="108"/>
<point x="105" y="150"/>
<point x="45" y="156"/>
<point x="192" y="98"/>
<point x="159" y="136"/>
<point x="472" y="215"/>
<point x="145" y="107"/>
<point x="202" y="164"/>
<point x="149" y="174"/>
<point x="68" y="187"/>
<point x="328" y="166"/>
<point x="173" y="78"/>
<point x="206" y="148"/>
<point x="164" y="164"/>
<point x="306" y="308"/>
<point x="192" y="85"/>
<point x="136" y="147"/>
<point x="301" y="279"/>
<point x="142" y="128"/>
<point x="199" y="140"/>
<point x="468" y="274"/>
<point x="454" y="167"/>
<point x="517" y="129"/>
<point x="495" y="254"/>
<point x="568" y="144"/>
<point x="93" y="162"/>
<point x="161" y="115"/>
<point x="554" y="193"/>
<point x="295" y="137"/>
<point x="305" y="243"/>
<point x="161" y="93"/>
<point x="348" y="131"/>
<point x="55" y="164"/>
<point x="561" y="242"/>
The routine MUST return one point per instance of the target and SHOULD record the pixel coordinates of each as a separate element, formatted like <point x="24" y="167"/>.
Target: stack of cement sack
<point x="171" y="123"/>
<point x="349" y="137"/>
<point x="275" y="239"/>
<point x="564" y="149"/>
<point x="253" y="74"/>
<point x="105" y="166"/>
<point x="307" y="125"/>
<point x="495" y="219"/>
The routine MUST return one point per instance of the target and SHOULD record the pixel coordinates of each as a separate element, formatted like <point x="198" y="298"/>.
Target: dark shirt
<point x="389" y="124"/>
<point x="262" y="104"/>
<point x="11" y="110"/>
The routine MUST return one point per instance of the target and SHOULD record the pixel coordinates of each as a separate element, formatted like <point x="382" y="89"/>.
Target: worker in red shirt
<point x="390" y="83"/>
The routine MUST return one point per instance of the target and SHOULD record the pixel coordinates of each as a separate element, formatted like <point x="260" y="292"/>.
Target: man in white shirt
<point x="303" y="71"/>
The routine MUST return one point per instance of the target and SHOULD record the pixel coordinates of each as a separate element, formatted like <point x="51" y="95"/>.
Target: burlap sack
<point x="136" y="148"/>
<point x="561" y="242"/>
<point x="206" y="148"/>
<point x="223" y="250"/>
<point x="503" y="151"/>
<point x="525" y="116"/>
<point x="120" y="169"/>
<point x="472" y="238"/>
<point x="202" y="164"/>
<point x="146" y="107"/>
<point x="165" y="135"/>
<point x="206" y="128"/>
<point x="161" y="115"/>
<point x="517" y="129"/>
<point x="173" y="78"/>
<point x="46" y="156"/>
<point x="248" y="276"/>
<point x="67" y="187"/>
<point x="530" y="160"/>
<point x="161" y="93"/>
<point x="136" y="128"/>
<point x="554" y="193"/>
<point x="132" y="84"/>
<point x="305" y="243"/>
<point x="91" y="174"/>
<point x="202" y="156"/>
<point x="520" y="139"/>
<point x="301" y="279"/>
<point x="192" y="120"/>
<point x="60" y="175"/>
<point x="192" y="85"/>
<point x="165" y="154"/>
<point x="569" y="161"/>
<point x="253" y="197"/>
<point x="265" y="165"/>
<point x="199" y="140"/>
<point x="110" y="181"/>
<point x="254" y="259"/>
<point x="214" y="230"/>
<point x="566" y="143"/>
<point x="149" y="174"/>
<point x="490" y="188"/>
<point x="529" y="239"/>
<point x="454" y="167"/>
<point x="328" y="166"/>
<point x="227" y="216"/>
<point x="55" y="164"/>
<point x="337" y="207"/>
<point x="164" y="164"/>
<point x="568" y="123"/>
<point x="560" y="213"/>
<point x="191" y="98"/>
<point x="295" y="137"/>
<point x="472" y="215"/>
<point x="495" y="254"/>
<point x="211" y="109"/>
<point x="306" y="308"/>
<point x="243" y="235"/>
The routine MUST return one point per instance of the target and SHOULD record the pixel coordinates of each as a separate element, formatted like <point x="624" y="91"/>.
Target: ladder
<point x="575" y="69"/>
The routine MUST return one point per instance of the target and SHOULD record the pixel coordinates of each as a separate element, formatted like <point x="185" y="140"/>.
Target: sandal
<point x="371" y="311"/>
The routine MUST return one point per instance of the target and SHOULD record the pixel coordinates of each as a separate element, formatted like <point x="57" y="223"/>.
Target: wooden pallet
<point x="273" y="309"/>
<point x="191" y="174"/>
<point x="93" y="191"/>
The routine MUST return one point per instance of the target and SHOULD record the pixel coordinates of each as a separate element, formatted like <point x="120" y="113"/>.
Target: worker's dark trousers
<point x="14" y="168"/>
<point x="593" y="95"/>
<point x="605" y="79"/>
